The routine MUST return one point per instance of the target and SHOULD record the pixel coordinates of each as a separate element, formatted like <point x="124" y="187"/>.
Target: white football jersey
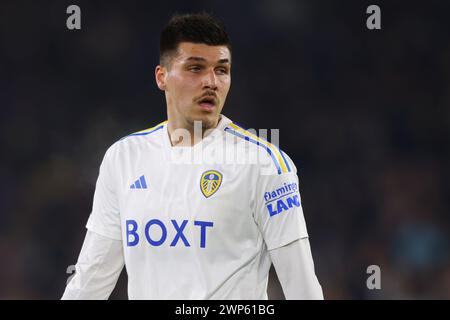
<point x="197" y="229"/>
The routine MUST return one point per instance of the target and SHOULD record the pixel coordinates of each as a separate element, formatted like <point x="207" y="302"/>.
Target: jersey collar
<point x="174" y="151"/>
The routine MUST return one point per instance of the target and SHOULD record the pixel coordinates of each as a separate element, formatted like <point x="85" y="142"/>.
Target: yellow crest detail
<point x="210" y="182"/>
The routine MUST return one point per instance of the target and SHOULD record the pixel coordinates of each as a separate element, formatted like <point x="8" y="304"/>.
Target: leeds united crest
<point x="210" y="182"/>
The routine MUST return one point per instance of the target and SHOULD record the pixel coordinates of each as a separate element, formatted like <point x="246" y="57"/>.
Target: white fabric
<point x="181" y="244"/>
<point x="294" y="266"/>
<point x="97" y="269"/>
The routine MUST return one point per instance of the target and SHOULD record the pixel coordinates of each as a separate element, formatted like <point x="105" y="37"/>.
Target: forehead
<point x="211" y="54"/>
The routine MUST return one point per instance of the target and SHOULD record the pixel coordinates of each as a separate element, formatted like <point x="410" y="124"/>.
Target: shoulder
<point x="136" y="141"/>
<point x="270" y="158"/>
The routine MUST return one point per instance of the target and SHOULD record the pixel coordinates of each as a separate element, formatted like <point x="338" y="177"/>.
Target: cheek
<point x="179" y="86"/>
<point x="182" y="91"/>
<point x="225" y="85"/>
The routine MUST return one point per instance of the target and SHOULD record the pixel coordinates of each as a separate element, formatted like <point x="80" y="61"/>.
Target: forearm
<point x="295" y="270"/>
<point x="98" y="267"/>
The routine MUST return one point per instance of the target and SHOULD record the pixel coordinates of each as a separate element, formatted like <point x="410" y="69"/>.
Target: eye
<point x="222" y="70"/>
<point x="194" y="68"/>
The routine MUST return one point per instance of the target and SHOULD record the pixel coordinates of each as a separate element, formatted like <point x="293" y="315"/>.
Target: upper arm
<point x="278" y="210"/>
<point x="294" y="266"/>
<point x="98" y="267"/>
<point x="105" y="218"/>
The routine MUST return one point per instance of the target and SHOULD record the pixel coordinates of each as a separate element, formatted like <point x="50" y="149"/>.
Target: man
<point x="195" y="230"/>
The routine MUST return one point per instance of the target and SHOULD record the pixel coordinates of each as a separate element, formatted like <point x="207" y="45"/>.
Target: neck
<point x="184" y="133"/>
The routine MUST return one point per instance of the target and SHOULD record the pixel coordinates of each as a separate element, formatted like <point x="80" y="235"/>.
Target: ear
<point x="160" y="76"/>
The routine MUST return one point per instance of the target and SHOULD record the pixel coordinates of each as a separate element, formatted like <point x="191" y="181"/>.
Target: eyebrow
<point x="200" y="59"/>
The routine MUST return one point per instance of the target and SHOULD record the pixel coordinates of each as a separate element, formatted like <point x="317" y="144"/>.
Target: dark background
<point x="364" y="115"/>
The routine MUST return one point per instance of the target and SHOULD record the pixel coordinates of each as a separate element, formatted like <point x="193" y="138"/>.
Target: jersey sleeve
<point x="105" y="218"/>
<point x="97" y="270"/>
<point x="278" y="209"/>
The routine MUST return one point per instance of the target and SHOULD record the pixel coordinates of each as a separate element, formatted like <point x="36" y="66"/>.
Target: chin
<point x="208" y="120"/>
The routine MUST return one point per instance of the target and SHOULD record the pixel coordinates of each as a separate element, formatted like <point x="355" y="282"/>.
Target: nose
<point x="210" y="81"/>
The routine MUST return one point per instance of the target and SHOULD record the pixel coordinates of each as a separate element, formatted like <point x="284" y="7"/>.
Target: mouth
<point x="208" y="103"/>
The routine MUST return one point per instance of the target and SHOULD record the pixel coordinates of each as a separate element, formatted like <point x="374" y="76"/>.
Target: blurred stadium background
<point x="364" y="114"/>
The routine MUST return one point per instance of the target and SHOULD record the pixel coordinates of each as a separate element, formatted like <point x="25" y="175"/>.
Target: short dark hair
<point x="196" y="28"/>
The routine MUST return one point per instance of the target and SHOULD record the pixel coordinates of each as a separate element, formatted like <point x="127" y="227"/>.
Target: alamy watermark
<point x="73" y="21"/>
<point x="374" y="280"/>
<point x="70" y="270"/>
<point x="235" y="146"/>
<point x="373" y="22"/>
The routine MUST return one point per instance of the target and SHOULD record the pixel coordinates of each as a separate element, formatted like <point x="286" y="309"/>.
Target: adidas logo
<point x="139" y="184"/>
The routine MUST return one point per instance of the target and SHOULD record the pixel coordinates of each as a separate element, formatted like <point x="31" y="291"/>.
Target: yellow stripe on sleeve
<point x="267" y="144"/>
<point x="152" y="128"/>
